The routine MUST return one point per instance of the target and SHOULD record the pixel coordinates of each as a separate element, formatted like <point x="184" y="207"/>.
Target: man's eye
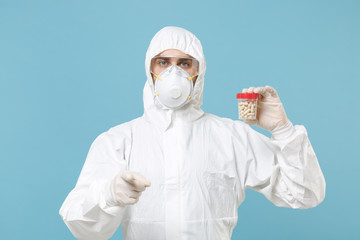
<point x="184" y="64"/>
<point x="162" y="63"/>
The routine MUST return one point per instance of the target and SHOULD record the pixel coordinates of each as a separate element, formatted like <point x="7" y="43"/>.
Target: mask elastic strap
<point x="157" y="76"/>
<point x="190" y="78"/>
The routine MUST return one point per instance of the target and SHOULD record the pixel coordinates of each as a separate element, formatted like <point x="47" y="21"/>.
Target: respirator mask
<point x="174" y="84"/>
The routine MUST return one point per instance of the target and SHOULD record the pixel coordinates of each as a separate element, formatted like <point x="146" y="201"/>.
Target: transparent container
<point x="247" y="105"/>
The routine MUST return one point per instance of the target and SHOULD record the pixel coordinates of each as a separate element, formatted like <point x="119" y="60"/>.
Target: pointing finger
<point x="136" y="180"/>
<point x="142" y="180"/>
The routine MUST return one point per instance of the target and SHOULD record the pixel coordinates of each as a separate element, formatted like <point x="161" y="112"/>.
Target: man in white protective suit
<point x="179" y="173"/>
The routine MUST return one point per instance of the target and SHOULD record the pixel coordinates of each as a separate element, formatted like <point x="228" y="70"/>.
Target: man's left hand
<point x="270" y="111"/>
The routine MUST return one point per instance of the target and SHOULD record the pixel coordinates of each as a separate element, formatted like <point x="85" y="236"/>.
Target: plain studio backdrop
<point x="70" y="70"/>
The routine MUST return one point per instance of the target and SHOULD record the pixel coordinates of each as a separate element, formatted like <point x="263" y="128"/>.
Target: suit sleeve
<point x="89" y="210"/>
<point x="284" y="168"/>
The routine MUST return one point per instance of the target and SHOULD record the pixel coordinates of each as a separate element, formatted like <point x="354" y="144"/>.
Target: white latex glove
<point x="126" y="187"/>
<point x="270" y="111"/>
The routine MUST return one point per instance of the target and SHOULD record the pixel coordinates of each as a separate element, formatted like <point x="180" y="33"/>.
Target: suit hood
<point x="183" y="40"/>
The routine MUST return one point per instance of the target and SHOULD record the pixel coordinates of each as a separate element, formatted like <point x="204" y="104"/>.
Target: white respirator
<point x="173" y="87"/>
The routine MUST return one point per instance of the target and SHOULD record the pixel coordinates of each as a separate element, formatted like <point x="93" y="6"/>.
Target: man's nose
<point x="173" y="62"/>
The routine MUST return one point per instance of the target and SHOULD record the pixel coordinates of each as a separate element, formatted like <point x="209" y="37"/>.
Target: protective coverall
<point x="199" y="166"/>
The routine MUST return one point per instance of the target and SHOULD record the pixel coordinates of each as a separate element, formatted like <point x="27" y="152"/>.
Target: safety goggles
<point x="189" y="64"/>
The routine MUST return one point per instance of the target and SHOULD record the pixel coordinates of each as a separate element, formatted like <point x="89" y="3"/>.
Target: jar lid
<point x="247" y="95"/>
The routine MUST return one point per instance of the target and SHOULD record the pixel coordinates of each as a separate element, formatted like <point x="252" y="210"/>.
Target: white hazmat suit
<point x="199" y="166"/>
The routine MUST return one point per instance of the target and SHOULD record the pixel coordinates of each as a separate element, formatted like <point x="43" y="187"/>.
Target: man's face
<point x="174" y="57"/>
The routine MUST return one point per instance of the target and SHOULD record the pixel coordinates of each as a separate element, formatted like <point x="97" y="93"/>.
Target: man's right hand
<point x="126" y="187"/>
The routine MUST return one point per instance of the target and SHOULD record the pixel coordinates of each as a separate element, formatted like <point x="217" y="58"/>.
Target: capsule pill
<point x="247" y="109"/>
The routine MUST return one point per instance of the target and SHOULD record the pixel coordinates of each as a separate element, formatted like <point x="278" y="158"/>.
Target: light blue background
<point x="70" y="70"/>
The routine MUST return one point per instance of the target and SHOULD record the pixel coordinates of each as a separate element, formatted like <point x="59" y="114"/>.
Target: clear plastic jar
<point x="247" y="105"/>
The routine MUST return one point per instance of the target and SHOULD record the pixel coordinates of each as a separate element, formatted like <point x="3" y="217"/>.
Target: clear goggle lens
<point x="160" y="63"/>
